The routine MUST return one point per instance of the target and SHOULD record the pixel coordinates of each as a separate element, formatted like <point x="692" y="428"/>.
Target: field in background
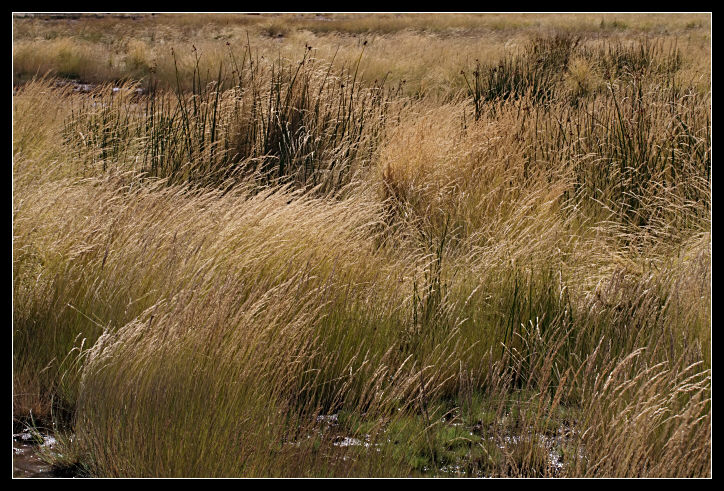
<point x="426" y="51"/>
<point x="364" y="245"/>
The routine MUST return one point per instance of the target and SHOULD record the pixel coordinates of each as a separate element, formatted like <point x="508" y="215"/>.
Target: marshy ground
<point x="306" y="245"/>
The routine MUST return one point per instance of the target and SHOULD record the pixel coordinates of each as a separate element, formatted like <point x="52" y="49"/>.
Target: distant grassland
<point x="423" y="50"/>
<point x="364" y="245"/>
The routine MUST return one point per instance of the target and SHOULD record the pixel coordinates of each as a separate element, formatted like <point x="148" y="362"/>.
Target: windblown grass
<point x="280" y="268"/>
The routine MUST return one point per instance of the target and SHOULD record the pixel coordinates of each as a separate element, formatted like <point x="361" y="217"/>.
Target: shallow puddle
<point x="26" y="462"/>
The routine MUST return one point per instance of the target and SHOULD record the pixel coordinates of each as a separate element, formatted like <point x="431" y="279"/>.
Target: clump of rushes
<point x="535" y="71"/>
<point x="290" y="123"/>
<point x="634" y="140"/>
<point x="630" y="149"/>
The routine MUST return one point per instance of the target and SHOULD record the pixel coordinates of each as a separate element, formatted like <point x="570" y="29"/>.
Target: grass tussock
<point x="287" y="122"/>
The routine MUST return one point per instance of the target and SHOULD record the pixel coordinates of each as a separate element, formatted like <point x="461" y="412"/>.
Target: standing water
<point x="26" y="462"/>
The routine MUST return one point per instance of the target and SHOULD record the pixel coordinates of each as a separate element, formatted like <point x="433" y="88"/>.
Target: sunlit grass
<point x="255" y="271"/>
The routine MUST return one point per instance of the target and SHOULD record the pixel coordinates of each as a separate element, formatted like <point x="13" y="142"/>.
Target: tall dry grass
<point x="518" y="286"/>
<point x="424" y="50"/>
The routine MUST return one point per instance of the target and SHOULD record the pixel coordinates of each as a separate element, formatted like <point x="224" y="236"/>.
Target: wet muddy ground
<point x="26" y="461"/>
<point x="29" y="444"/>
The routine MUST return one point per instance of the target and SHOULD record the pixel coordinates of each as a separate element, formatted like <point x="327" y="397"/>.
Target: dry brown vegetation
<point x="373" y="245"/>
